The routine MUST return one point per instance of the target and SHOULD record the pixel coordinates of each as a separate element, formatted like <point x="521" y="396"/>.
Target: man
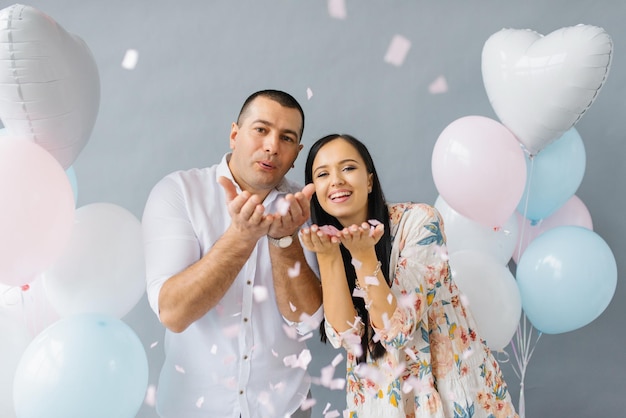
<point x="227" y="276"/>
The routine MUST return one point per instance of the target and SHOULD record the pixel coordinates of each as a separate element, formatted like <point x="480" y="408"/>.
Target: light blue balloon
<point x="553" y="176"/>
<point x="567" y="277"/>
<point x="71" y="175"/>
<point x="86" y="365"/>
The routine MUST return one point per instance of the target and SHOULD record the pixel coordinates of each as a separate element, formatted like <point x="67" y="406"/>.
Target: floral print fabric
<point x="436" y="365"/>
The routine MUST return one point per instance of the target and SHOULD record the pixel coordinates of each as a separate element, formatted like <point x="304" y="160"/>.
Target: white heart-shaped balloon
<point x="49" y="83"/>
<point x="540" y="86"/>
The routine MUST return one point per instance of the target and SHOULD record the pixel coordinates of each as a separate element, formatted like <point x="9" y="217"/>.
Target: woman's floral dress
<point x="435" y="365"/>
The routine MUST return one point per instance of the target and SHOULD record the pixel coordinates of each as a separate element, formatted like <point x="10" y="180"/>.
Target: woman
<point x="389" y="299"/>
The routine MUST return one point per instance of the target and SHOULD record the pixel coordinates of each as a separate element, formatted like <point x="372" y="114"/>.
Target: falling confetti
<point x="440" y="85"/>
<point x="150" y="399"/>
<point x="213" y="349"/>
<point x="179" y="369"/>
<point x="390" y="298"/>
<point x="199" y="402"/>
<point x="307" y="404"/>
<point x="282" y="206"/>
<point x="372" y="281"/>
<point x="329" y="230"/>
<point x="374" y="222"/>
<point x="290" y="331"/>
<point x="154" y="344"/>
<point x="356" y="263"/>
<point x="301" y="361"/>
<point x="398" y="50"/>
<point x="337" y="9"/>
<point x="464" y="300"/>
<point x="294" y="271"/>
<point x="309" y="93"/>
<point x="338" y="358"/>
<point x="130" y="59"/>
<point x="231" y="331"/>
<point x="259" y="293"/>
<point x="292" y="307"/>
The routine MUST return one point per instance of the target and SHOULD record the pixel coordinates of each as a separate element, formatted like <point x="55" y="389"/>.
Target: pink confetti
<point x="338" y="359"/>
<point x="438" y="86"/>
<point x="231" y="331"/>
<point x="359" y="293"/>
<point x="374" y="222"/>
<point x="410" y="353"/>
<point x="337" y="9"/>
<point x="292" y="307"/>
<point x="199" y="402"/>
<point x="329" y="230"/>
<point x="467" y="353"/>
<point x="274" y="353"/>
<point x="356" y="263"/>
<point x="301" y="361"/>
<point x="407" y="301"/>
<point x="397" y="51"/>
<point x="229" y="359"/>
<point x="259" y="293"/>
<point x="130" y="59"/>
<point x="309" y="320"/>
<point x="372" y="281"/>
<point x="307" y="404"/>
<point x="294" y="271"/>
<point x="179" y="369"/>
<point x="278" y="387"/>
<point x="290" y="331"/>
<point x="337" y="384"/>
<point x="154" y="344"/>
<point x="150" y="399"/>
<point x="332" y="414"/>
<point x="309" y="93"/>
<point x="282" y="207"/>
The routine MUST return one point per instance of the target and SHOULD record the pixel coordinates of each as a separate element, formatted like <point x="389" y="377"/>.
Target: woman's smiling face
<point x="342" y="182"/>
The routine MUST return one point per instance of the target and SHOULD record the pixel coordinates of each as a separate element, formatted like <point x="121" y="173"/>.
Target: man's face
<point x="264" y="145"/>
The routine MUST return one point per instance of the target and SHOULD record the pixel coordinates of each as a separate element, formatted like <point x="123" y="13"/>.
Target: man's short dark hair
<point x="280" y="97"/>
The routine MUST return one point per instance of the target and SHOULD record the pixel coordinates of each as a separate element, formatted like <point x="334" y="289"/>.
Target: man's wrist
<point x="282" y="242"/>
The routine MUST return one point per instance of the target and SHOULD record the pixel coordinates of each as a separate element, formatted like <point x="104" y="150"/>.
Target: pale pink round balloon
<point x="37" y="210"/>
<point x="479" y="169"/>
<point x="573" y="212"/>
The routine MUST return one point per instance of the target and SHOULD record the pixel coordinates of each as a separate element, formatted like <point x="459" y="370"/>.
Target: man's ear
<point x="234" y="130"/>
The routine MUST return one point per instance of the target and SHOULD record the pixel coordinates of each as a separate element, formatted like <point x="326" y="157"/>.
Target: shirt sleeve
<point x="421" y="268"/>
<point x="170" y="243"/>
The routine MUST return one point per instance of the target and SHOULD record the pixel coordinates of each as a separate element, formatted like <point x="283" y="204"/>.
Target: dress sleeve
<point x="349" y="339"/>
<point x="170" y="243"/>
<point x="420" y="269"/>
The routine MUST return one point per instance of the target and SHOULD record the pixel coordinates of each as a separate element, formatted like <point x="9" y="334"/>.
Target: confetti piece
<point x="359" y="293"/>
<point x="309" y="93"/>
<point x="438" y="86"/>
<point x="154" y="344"/>
<point x="338" y="359"/>
<point x="294" y="271"/>
<point x="282" y="206"/>
<point x="290" y="331"/>
<point x="199" y="402"/>
<point x="337" y="384"/>
<point x="374" y="222"/>
<point x="337" y="9"/>
<point x="397" y="51"/>
<point x="150" y="399"/>
<point x="326" y="408"/>
<point x="332" y="414"/>
<point x="464" y="300"/>
<point x="307" y="404"/>
<point x="274" y="353"/>
<point x="230" y="359"/>
<point x="231" y="331"/>
<point x="389" y="298"/>
<point x="410" y="353"/>
<point x="329" y="230"/>
<point x="259" y="293"/>
<point x="301" y="361"/>
<point x="213" y="349"/>
<point x="179" y="369"/>
<point x="467" y="353"/>
<point x="372" y="281"/>
<point x="278" y="387"/>
<point x="292" y="307"/>
<point x="356" y="263"/>
<point x="309" y="320"/>
<point x="130" y="59"/>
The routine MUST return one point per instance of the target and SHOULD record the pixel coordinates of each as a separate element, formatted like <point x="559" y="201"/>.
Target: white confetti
<point x="294" y="271"/>
<point x="307" y="404"/>
<point x="467" y="353"/>
<point x="292" y="307"/>
<point x="356" y="263"/>
<point x="372" y="281"/>
<point x="309" y="93"/>
<point x="464" y="300"/>
<point x="259" y="293"/>
<point x="130" y="59"/>
<point x="374" y="222"/>
<point x="337" y="9"/>
<point x="389" y="298"/>
<point x="179" y="369"/>
<point x="282" y="206"/>
<point x="329" y="230"/>
<point x="338" y="358"/>
<point x="410" y="353"/>
<point x="213" y="349"/>
<point x="154" y="344"/>
<point x="290" y="331"/>
<point x="301" y="361"/>
<point x="359" y="293"/>
<point x="332" y="414"/>
<point x="199" y="402"/>
<point x="150" y="399"/>
<point x="438" y="86"/>
<point x="398" y="50"/>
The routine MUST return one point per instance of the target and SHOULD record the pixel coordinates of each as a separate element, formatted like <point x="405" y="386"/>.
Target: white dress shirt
<point x="230" y="362"/>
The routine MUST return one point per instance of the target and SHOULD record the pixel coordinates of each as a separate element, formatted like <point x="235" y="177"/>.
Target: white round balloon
<point x="491" y="294"/>
<point x="103" y="268"/>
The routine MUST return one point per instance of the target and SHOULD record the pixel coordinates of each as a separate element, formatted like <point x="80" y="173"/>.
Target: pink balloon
<point x="573" y="212"/>
<point x="479" y="169"/>
<point x="37" y="211"/>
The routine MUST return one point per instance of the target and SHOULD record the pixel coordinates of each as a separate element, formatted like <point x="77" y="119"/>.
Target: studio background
<point x="199" y="59"/>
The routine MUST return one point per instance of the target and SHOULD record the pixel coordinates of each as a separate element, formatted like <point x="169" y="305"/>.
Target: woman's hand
<point x="319" y="241"/>
<point x="361" y="239"/>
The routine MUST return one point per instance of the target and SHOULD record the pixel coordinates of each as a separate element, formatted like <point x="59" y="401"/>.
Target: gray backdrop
<point x="199" y="59"/>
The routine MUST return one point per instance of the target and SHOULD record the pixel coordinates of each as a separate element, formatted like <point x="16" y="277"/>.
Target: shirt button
<point x="245" y="357"/>
<point x="249" y="282"/>
<point x="245" y="320"/>
<point x="241" y="392"/>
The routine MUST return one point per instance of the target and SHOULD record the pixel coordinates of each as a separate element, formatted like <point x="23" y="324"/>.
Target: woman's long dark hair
<point x="376" y="209"/>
